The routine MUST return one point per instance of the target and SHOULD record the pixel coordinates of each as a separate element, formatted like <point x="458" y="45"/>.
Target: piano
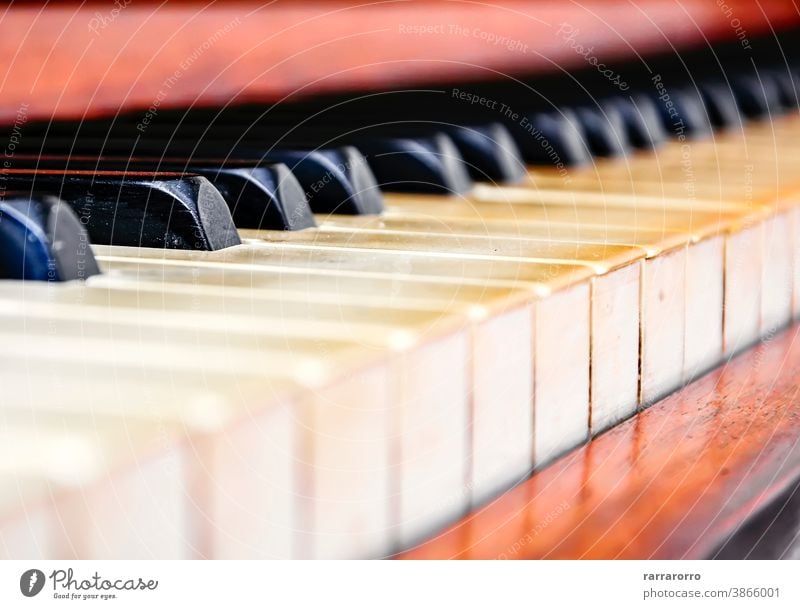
<point x="408" y="279"/>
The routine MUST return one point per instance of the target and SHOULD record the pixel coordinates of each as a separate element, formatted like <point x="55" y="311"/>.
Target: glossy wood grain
<point x="673" y="482"/>
<point x="83" y="59"/>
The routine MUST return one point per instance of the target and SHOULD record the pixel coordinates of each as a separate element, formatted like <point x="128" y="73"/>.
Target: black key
<point x="259" y="196"/>
<point x="550" y="139"/>
<point x="640" y="120"/>
<point x="137" y="209"/>
<point x="41" y="239"/>
<point x="683" y="113"/>
<point x="489" y="151"/>
<point x="723" y="110"/>
<point x="603" y="131"/>
<point x="335" y="180"/>
<point x="757" y="98"/>
<point x="424" y="165"/>
<point x="266" y="197"/>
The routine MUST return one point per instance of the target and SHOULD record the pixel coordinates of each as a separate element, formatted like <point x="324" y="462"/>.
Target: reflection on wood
<point x="673" y="482"/>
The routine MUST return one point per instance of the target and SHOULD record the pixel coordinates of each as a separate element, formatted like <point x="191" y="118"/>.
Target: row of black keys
<point x="213" y="181"/>
<point x="405" y="153"/>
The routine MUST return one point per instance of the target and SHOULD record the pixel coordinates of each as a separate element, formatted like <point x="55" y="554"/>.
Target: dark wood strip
<point x="673" y="482"/>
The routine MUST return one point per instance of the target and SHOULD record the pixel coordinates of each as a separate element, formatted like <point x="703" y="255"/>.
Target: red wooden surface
<point x="672" y="482"/>
<point x="70" y="61"/>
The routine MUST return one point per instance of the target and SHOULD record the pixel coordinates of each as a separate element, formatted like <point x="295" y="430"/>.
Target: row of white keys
<point x="433" y="377"/>
<point x="560" y="291"/>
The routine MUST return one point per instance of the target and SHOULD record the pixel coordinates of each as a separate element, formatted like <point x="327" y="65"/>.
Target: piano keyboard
<point x="325" y="381"/>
